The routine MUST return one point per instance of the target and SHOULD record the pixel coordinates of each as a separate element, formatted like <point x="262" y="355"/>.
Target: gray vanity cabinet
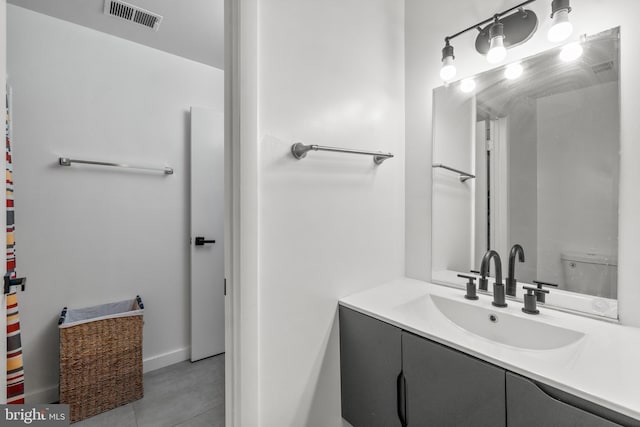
<point x="388" y="374"/>
<point x="447" y="388"/>
<point x="370" y="365"/>
<point x="530" y="404"/>
<point x="393" y="378"/>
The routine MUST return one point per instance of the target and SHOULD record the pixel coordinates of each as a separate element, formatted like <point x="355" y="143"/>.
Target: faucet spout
<point x="515" y="250"/>
<point x="498" y="287"/>
<point x="486" y="261"/>
<point x="510" y="281"/>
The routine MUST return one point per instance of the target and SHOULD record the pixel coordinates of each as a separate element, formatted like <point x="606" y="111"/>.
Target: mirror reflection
<point x="528" y="154"/>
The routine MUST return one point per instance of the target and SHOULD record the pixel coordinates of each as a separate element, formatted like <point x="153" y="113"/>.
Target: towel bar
<point x="65" y="161"/>
<point x="300" y="150"/>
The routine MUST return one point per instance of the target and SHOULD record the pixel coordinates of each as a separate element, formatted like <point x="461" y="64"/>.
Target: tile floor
<point x="182" y="395"/>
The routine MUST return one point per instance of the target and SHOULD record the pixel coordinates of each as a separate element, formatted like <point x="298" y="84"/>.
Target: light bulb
<point x="497" y="51"/>
<point x="513" y="71"/>
<point x="571" y="52"/>
<point x="561" y="28"/>
<point x="448" y="70"/>
<point x="467" y="85"/>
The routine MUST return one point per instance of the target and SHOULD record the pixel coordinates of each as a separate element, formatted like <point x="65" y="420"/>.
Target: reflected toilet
<point x="590" y="273"/>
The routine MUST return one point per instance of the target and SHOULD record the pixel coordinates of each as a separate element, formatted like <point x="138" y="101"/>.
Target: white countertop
<point x="603" y="366"/>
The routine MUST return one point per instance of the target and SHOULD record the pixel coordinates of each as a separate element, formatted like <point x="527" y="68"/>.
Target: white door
<point x="207" y="231"/>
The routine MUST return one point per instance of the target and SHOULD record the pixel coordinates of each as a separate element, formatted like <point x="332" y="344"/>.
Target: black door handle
<point x="200" y="241"/>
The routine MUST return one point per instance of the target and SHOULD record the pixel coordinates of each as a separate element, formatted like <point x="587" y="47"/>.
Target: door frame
<point x="241" y="213"/>
<point x="499" y="185"/>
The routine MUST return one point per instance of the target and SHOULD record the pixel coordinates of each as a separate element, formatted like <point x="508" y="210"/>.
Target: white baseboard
<point x="50" y="394"/>
<point x="44" y="395"/>
<point x="165" y="359"/>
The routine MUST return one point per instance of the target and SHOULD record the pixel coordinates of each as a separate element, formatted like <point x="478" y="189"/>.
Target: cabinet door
<point x="370" y="363"/>
<point x="448" y="388"/>
<point x="528" y="405"/>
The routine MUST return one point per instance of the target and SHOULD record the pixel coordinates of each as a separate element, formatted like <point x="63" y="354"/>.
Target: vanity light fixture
<point x="448" y="70"/>
<point x="513" y="71"/>
<point x="508" y="29"/>
<point x="561" y="28"/>
<point x="467" y="85"/>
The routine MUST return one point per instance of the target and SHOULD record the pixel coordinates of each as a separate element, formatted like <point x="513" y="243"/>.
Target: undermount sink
<point x="505" y="328"/>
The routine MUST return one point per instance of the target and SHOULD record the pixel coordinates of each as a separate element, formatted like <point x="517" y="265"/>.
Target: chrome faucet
<point x="511" y="281"/>
<point x="498" y="287"/>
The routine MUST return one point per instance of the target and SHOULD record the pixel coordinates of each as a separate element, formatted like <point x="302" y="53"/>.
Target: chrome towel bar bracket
<point x="300" y="150"/>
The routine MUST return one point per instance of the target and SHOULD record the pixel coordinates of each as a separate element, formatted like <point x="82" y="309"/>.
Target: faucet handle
<point x="539" y="283"/>
<point x="540" y="295"/>
<point x="530" y="299"/>
<point x="483" y="282"/>
<point x="471" y="286"/>
<point x="531" y="290"/>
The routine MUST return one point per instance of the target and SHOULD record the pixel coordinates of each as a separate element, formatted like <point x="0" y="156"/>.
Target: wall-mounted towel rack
<point x="65" y="161"/>
<point x="300" y="150"/>
<point x="464" y="176"/>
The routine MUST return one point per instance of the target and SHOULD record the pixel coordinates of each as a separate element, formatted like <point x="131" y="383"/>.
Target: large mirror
<point x="528" y="154"/>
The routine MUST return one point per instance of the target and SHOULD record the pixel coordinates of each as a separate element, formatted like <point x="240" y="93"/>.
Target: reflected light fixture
<point x="571" y="51"/>
<point x="561" y="28"/>
<point x="497" y="51"/>
<point x="513" y="71"/>
<point x="448" y="69"/>
<point x="467" y="85"/>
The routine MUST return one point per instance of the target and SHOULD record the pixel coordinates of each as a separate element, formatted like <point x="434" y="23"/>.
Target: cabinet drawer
<point x="533" y="405"/>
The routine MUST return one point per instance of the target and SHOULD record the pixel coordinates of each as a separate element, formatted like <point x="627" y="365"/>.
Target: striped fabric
<point x="15" y="371"/>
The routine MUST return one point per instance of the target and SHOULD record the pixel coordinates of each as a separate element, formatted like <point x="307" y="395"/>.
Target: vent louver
<point x="605" y="66"/>
<point x="129" y="12"/>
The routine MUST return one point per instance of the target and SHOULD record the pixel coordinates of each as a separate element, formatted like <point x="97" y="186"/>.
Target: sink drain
<point x="493" y="318"/>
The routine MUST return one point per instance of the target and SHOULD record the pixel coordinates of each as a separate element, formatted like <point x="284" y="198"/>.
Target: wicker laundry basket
<point x="101" y="357"/>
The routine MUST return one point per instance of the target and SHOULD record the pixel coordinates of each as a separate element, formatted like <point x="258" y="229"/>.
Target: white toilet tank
<point x="590" y="273"/>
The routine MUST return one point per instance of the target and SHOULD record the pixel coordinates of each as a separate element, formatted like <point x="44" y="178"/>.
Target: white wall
<point x="427" y="24"/>
<point x="523" y="185"/>
<point x="86" y="235"/>
<point x="328" y="73"/>
<point x="577" y="212"/>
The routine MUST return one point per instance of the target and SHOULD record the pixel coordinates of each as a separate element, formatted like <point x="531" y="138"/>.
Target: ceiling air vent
<point x="132" y="13"/>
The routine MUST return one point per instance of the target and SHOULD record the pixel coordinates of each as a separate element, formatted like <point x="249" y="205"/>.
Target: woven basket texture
<point x="101" y="365"/>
